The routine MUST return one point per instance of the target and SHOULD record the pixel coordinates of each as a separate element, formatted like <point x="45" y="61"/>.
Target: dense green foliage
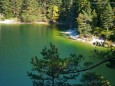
<point x="93" y="79"/>
<point x="29" y="11"/>
<point x="10" y="8"/>
<point x="104" y="18"/>
<point x="95" y="17"/>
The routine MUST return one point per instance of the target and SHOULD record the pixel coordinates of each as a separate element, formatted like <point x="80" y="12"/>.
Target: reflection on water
<point x="18" y="43"/>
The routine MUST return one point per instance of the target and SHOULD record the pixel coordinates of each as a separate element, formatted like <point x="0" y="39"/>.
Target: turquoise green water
<point x="18" y="43"/>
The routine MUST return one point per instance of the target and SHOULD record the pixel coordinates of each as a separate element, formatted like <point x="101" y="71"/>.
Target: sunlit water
<point x="18" y="43"/>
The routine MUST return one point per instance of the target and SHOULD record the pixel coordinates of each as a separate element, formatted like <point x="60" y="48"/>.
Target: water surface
<point x="18" y="43"/>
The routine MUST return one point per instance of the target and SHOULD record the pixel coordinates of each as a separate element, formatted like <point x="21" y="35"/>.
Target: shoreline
<point x="93" y="40"/>
<point x="13" y="21"/>
<point x="16" y="21"/>
<point x="95" y="43"/>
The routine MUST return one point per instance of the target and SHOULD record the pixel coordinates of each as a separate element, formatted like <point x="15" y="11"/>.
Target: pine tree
<point x="29" y="11"/>
<point x="6" y="8"/>
<point x="15" y="6"/>
<point x="94" y="19"/>
<point x="84" y="19"/>
<point x="107" y="17"/>
<point x="68" y="12"/>
<point x="84" y="26"/>
<point x="93" y="79"/>
<point x="52" y="70"/>
<point x="104" y="13"/>
<point x="83" y="5"/>
<point x="55" y="12"/>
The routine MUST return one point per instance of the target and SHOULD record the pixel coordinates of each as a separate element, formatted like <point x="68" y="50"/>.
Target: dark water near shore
<point x="18" y="43"/>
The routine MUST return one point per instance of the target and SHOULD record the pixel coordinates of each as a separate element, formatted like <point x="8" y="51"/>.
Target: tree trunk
<point x="53" y="80"/>
<point x="107" y="29"/>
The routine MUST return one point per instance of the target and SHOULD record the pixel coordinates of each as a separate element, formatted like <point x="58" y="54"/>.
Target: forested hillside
<point x="89" y="16"/>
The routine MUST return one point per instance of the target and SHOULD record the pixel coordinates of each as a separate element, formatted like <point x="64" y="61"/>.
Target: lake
<point x="20" y="42"/>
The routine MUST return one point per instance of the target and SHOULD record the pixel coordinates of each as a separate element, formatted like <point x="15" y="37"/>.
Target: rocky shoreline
<point x="93" y="40"/>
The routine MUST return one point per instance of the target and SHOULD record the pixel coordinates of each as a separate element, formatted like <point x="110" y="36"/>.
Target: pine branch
<point x="89" y="68"/>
